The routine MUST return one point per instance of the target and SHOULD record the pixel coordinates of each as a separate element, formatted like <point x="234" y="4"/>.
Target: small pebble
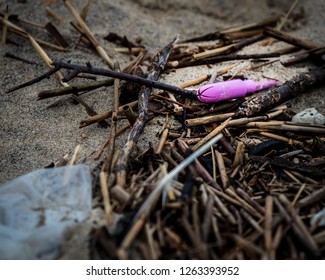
<point x="310" y="116"/>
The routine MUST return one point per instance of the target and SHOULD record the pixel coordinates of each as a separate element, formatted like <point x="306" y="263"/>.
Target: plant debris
<point x="251" y="195"/>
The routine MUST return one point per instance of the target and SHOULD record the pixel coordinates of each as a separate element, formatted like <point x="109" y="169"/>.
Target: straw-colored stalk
<point x="212" y="134"/>
<point x="76" y="155"/>
<point x="46" y="59"/>
<point x="89" y="34"/>
<point x="106" y="197"/>
<point x="268" y="224"/>
<point x="23" y="33"/>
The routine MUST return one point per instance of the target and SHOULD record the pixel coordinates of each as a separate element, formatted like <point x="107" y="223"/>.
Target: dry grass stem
<point x="89" y="34"/>
<point x="76" y="155"/>
<point x="106" y="197"/>
<point x="268" y="225"/>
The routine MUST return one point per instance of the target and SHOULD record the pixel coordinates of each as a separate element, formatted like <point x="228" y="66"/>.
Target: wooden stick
<point x="222" y="207"/>
<point x="197" y="243"/>
<point x="89" y="34"/>
<point x="47" y="59"/>
<point x="212" y="134"/>
<point x="268" y="225"/>
<point x="194" y="82"/>
<point x="149" y="231"/>
<point x="276" y="96"/>
<point x="305" y="44"/>
<point x="242" y="27"/>
<point x="208" y="119"/>
<point x="251" y="201"/>
<point x="179" y="105"/>
<point x="281" y="138"/>
<point x="214" y="163"/>
<point x="312" y="198"/>
<point x="122" y="76"/>
<point x="76" y="155"/>
<point x="243" y="203"/>
<point x="142" y="115"/>
<point x="222" y="170"/>
<point x="207" y="218"/>
<point x="54" y="15"/>
<point x="23" y="33"/>
<point x="112" y="135"/>
<point x="251" y="220"/>
<point x="284" y="19"/>
<point x="54" y="32"/>
<point x="105" y="115"/>
<point x="228" y="57"/>
<point x="74" y="89"/>
<point x="297" y="220"/>
<point x="282" y="126"/>
<point x="85" y="10"/>
<point x="196" y="221"/>
<point x="122" y="252"/>
<point x="301" y="189"/>
<point x="213" y="52"/>
<point x="302" y="56"/>
<point x="90" y="111"/>
<point x="276" y="242"/>
<point x="163" y="138"/>
<point x="106" y="198"/>
<point x="249" y="246"/>
<point x="130" y="115"/>
<point x="239" y="154"/>
<point x="203" y="56"/>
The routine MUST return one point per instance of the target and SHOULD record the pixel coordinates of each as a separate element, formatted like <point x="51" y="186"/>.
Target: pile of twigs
<point x="251" y="195"/>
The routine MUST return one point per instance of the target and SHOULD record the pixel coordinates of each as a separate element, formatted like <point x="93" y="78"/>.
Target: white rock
<point x="310" y="116"/>
<point x="39" y="208"/>
<point x="319" y="217"/>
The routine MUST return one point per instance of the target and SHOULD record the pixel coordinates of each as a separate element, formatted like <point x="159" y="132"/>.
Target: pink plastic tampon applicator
<point x="231" y="89"/>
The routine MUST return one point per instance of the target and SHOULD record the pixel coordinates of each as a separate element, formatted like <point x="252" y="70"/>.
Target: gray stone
<point x="309" y="115"/>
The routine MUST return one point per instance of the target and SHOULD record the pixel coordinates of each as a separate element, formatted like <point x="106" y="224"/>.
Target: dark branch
<point x="36" y="80"/>
<point x="124" y="76"/>
<point x="288" y="90"/>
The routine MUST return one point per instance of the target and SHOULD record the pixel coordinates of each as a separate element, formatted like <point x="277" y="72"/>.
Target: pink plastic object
<point x="231" y="89"/>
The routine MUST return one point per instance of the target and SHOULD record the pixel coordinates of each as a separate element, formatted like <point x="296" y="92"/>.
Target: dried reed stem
<point x="23" y="33"/>
<point x="89" y="34"/>
<point x="222" y="170"/>
<point x="163" y="138"/>
<point x="76" y="155"/>
<point x="239" y="154"/>
<point x="54" y="15"/>
<point x="312" y="198"/>
<point x="208" y="119"/>
<point x="47" y="59"/>
<point x="106" y="197"/>
<point x="268" y="225"/>
<point x="301" y="226"/>
<point x="212" y="134"/>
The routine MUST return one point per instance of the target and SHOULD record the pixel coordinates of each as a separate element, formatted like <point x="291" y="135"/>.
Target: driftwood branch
<point x="89" y="69"/>
<point x="157" y="68"/>
<point x="288" y="90"/>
